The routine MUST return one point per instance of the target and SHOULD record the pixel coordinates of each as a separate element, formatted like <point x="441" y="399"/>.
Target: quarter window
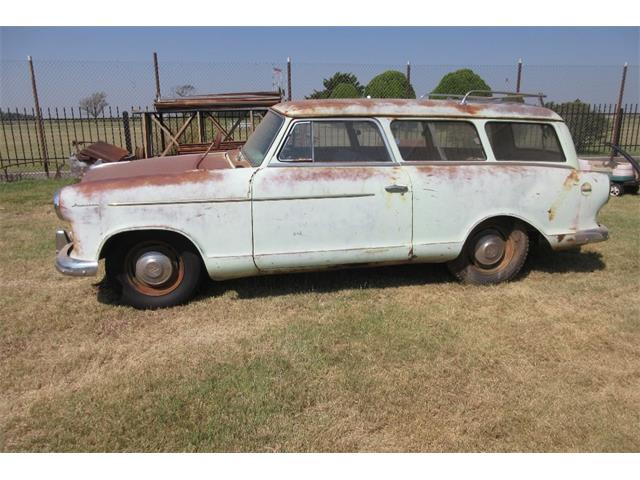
<point x="524" y="142"/>
<point x="335" y="141"/>
<point x="422" y="140"/>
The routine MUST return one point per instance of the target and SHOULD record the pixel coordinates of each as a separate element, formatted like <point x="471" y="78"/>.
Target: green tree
<point x="330" y="83"/>
<point x="390" y="84"/>
<point x="345" y="90"/>
<point x="460" y="82"/>
<point x="589" y="128"/>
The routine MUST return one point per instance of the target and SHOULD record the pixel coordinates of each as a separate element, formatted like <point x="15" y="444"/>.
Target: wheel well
<point x="138" y="235"/>
<point x="535" y="236"/>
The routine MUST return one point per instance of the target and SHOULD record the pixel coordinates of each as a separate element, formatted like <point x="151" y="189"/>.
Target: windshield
<point x="259" y="142"/>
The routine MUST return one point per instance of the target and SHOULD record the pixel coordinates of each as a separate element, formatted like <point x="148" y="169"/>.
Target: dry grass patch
<point x="400" y="358"/>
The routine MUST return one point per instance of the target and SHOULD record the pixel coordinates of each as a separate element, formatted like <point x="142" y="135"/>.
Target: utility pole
<point x="615" y="135"/>
<point x="39" y="124"/>
<point x="289" y="78"/>
<point x="157" y="72"/>
<point x="519" y="76"/>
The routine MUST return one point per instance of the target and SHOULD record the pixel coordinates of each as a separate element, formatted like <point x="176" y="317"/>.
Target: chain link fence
<point x="131" y="86"/>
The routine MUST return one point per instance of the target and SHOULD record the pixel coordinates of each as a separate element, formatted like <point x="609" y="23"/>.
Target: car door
<point x="332" y="196"/>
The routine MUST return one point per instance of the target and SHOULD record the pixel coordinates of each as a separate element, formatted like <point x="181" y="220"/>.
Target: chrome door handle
<point x="396" y="188"/>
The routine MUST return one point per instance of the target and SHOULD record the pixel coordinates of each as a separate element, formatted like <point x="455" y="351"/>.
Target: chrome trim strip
<point x="315" y="197"/>
<point x="72" y="266"/>
<point x="487" y="163"/>
<point x="333" y="164"/>
<point x="178" y="202"/>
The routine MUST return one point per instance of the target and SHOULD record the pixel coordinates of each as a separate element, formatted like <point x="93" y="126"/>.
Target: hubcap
<point x="154" y="268"/>
<point x="489" y="249"/>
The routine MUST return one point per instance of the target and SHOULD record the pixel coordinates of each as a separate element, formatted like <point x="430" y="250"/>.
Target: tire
<point x="616" y="190"/>
<point x="155" y="271"/>
<point x="494" y="252"/>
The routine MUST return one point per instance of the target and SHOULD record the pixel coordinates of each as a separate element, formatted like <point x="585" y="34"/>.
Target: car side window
<point x="524" y="142"/>
<point x="335" y="141"/>
<point x="426" y="140"/>
<point x="298" y="147"/>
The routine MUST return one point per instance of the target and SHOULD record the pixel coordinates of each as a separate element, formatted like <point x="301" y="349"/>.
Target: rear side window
<point x="422" y="140"/>
<point x="524" y="142"/>
<point x="334" y="141"/>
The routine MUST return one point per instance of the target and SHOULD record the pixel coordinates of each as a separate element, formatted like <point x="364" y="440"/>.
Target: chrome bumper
<point x="72" y="266"/>
<point x="582" y="237"/>
<point x="593" y="235"/>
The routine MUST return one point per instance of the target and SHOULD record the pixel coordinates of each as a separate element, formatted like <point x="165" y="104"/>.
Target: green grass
<point x="389" y="359"/>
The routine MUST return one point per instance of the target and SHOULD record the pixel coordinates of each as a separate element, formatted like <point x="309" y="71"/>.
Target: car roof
<point x="366" y="107"/>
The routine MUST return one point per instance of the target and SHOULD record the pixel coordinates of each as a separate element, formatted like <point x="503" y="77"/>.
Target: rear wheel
<point x="155" y="272"/>
<point x="495" y="252"/>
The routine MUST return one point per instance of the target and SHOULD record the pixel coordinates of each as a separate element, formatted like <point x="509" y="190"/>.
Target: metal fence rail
<point x="591" y="125"/>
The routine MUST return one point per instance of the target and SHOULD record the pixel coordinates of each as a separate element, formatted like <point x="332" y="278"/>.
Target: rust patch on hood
<point x="156" y="166"/>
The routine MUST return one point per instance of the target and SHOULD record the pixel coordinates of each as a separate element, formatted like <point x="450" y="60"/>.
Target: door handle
<point x="396" y="188"/>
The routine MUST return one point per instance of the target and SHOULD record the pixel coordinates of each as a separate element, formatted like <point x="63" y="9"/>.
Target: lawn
<point x="394" y="359"/>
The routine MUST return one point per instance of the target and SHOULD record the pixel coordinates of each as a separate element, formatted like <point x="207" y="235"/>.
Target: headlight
<point x="56" y="204"/>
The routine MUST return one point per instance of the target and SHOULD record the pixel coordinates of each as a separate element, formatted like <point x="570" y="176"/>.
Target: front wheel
<point x="157" y="272"/>
<point x="493" y="253"/>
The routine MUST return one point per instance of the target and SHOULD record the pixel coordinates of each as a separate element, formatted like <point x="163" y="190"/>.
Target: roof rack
<point x="539" y="96"/>
<point x="488" y="96"/>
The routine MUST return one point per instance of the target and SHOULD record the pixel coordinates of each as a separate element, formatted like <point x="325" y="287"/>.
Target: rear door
<point x="332" y="196"/>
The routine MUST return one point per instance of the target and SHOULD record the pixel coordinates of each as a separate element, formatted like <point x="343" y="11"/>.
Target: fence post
<point x="519" y="76"/>
<point x="408" y="76"/>
<point x="126" y="127"/>
<point x="39" y="124"/>
<point x="157" y="73"/>
<point x="289" y="78"/>
<point x="615" y="135"/>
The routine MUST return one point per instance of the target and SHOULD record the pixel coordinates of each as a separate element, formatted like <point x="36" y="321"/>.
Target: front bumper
<point x="72" y="266"/>
<point x="582" y="237"/>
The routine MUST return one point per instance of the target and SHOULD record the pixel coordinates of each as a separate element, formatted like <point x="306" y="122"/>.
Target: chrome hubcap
<point x="489" y="249"/>
<point x="154" y="268"/>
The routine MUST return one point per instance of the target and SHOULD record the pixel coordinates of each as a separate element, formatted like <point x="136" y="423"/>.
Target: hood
<point x="164" y="166"/>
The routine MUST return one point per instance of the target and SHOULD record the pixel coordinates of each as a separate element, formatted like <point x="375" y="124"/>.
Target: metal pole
<point x="519" y="77"/>
<point x="157" y="72"/>
<point x="39" y="124"/>
<point x="289" y="78"/>
<point x="126" y="128"/>
<point x="618" y="122"/>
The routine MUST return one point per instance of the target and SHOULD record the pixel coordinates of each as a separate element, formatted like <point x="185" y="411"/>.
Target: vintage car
<point x="338" y="183"/>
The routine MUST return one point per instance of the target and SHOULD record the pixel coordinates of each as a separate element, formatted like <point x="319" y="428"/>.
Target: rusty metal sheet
<point x="219" y="100"/>
<point x="103" y="151"/>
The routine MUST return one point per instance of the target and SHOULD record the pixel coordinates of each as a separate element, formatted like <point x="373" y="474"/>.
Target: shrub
<point x="331" y="83"/>
<point x="460" y="82"/>
<point x="390" y="84"/>
<point x="344" y="90"/>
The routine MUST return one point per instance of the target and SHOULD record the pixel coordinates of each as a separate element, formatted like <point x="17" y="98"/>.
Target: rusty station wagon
<point x="335" y="183"/>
